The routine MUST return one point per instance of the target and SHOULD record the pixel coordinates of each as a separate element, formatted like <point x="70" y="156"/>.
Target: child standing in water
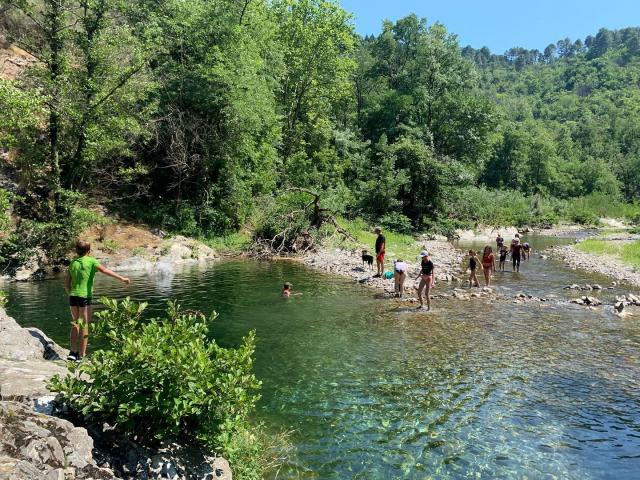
<point x="427" y="279"/>
<point x="474" y="261"/>
<point x="79" y="286"/>
<point x="488" y="264"/>
<point x="503" y="257"/>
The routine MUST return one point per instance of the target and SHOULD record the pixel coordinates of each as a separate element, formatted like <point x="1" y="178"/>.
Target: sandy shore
<point x="348" y="263"/>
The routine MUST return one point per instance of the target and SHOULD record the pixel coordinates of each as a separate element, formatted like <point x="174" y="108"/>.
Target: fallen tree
<point x="293" y="223"/>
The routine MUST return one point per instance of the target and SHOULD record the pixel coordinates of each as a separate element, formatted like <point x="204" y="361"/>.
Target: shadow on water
<point x="374" y="391"/>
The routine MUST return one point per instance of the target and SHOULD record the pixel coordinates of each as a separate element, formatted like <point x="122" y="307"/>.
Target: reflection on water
<point x="374" y="391"/>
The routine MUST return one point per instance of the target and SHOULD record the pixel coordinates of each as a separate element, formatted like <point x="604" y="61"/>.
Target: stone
<point x="572" y="287"/>
<point x="596" y="286"/>
<point x="33" y="264"/>
<point x="487" y="290"/>
<point x="44" y="447"/>
<point x="591" y="301"/>
<point x="587" y="287"/>
<point x="619" y="306"/>
<point x="23" y="368"/>
<point x="51" y="350"/>
<point x="633" y="299"/>
<point x="133" y="264"/>
<point x="577" y="301"/>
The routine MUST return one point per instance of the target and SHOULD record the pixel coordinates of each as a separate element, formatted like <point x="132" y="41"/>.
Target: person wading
<point x="79" y="286"/>
<point x="488" y="264"/>
<point x="427" y="279"/>
<point x="380" y="251"/>
<point x="516" y="253"/>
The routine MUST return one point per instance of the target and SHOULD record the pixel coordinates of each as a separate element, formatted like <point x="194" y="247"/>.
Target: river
<point x="376" y="391"/>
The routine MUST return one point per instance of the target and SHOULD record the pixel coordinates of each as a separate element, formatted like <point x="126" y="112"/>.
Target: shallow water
<point x="376" y="391"/>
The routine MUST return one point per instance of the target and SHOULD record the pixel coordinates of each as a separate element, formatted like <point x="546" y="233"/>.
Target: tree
<point x="317" y="40"/>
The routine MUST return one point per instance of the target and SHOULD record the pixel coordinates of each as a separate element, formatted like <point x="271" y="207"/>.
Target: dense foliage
<point x="208" y="110"/>
<point x="163" y="378"/>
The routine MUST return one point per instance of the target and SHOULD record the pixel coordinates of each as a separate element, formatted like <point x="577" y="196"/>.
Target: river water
<point x="373" y="390"/>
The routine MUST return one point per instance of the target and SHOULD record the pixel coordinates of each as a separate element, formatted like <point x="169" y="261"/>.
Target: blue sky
<point x="501" y="24"/>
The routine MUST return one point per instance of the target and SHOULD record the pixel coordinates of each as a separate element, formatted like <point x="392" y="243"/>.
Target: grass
<point x="233" y="243"/>
<point x="398" y="245"/>
<point x="627" y="252"/>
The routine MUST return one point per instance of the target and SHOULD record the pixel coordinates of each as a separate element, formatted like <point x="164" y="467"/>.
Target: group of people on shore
<point x="426" y="271"/>
<point x="518" y="250"/>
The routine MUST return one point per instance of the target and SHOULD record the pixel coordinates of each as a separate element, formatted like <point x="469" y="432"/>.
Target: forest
<point x="210" y="117"/>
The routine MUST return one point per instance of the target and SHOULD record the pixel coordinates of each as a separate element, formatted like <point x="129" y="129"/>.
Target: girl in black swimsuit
<point x="474" y="261"/>
<point x="427" y="279"/>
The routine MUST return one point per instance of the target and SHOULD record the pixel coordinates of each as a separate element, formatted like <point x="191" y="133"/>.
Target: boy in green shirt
<point x="79" y="286"/>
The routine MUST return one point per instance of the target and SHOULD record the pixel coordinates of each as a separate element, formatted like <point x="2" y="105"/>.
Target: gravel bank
<point x="348" y="263"/>
<point x="602" y="264"/>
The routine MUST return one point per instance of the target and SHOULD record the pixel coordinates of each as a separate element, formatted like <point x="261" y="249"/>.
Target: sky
<point x="502" y="24"/>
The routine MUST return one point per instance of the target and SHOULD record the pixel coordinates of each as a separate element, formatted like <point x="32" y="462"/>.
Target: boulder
<point x="33" y="265"/>
<point x="34" y="446"/>
<point x="133" y="264"/>
<point x="24" y="369"/>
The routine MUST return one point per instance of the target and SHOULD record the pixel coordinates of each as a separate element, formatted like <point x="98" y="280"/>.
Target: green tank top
<point x="82" y="271"/>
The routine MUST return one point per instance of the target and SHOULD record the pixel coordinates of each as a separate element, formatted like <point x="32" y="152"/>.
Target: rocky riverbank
<point x="601" y="264"/>
<point x="35" y="444"/>
<point x="348" y="263"/>
<point x="125" y="248"/>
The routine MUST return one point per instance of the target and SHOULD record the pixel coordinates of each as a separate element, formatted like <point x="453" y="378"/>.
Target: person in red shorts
<point x="380" y="250"/>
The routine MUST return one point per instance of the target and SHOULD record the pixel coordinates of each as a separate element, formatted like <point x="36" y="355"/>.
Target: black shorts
<point x="79" y="301"/>
<point x="516" y="259"/>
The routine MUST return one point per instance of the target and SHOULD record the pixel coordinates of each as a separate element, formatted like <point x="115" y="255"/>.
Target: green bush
<point x="396" y="222"/>
<point x="166" y="378"/>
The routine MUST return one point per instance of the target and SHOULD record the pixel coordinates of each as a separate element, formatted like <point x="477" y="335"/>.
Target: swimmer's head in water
<point x="287" y="286"/>
<point x="82" y="247"/>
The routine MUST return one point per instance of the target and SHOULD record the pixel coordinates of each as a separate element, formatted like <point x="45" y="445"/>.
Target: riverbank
<point x="124" y="247"/>
<point x="603" y="263"/>
<point x="347" y="262"/>
<point x="35" y="443"/>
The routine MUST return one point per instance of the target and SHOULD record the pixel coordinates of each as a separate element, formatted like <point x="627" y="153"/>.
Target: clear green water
<point x="376" y="391"/>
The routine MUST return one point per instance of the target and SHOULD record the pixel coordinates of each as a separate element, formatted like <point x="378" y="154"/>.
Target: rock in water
<point x="619" y="306"/>
<point x="591" y="301"/>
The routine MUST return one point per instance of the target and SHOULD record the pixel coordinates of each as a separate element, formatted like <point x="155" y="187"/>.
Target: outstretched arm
<point x="112" y="274"/>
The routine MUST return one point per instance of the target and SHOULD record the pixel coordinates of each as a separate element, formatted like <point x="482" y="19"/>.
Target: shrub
<point x="164" y="378"/>
<point x="110" y="246"/>
<point x="396" y="222"/>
